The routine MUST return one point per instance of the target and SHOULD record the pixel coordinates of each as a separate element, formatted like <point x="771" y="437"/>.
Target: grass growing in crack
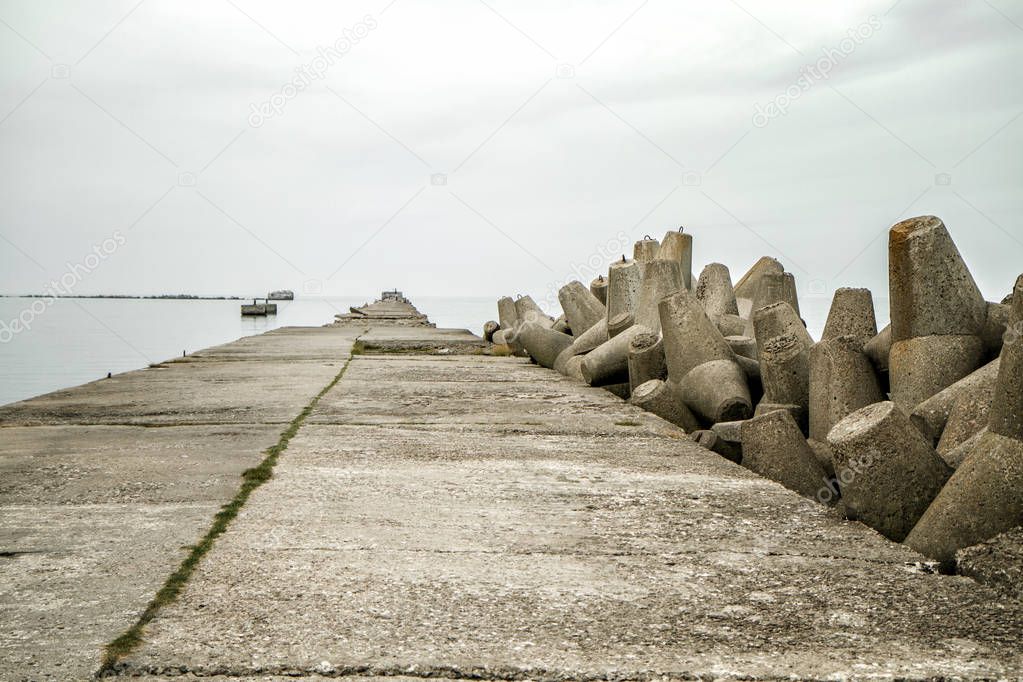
<point x="627" y="423"/>
<point x="251" y="479"/>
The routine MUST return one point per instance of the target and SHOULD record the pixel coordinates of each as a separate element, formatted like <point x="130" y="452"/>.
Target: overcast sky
<point x="488" y="147"/>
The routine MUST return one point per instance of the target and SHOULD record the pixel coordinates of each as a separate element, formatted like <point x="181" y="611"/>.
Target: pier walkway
<point x="438" y="515"/>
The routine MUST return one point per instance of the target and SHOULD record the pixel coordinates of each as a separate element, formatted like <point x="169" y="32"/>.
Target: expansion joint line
<point x="252" y="479"/>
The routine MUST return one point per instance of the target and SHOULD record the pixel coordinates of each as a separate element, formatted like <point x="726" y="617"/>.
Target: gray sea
<point x="74" y="341"/>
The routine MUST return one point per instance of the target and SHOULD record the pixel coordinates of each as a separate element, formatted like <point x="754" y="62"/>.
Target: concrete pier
<point x="438" y="515"/>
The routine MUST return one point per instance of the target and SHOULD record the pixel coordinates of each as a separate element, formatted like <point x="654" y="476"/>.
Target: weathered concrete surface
<point x="481" y="517"/>
<point x="94" y="517"/>
<point x="216" y="386"/>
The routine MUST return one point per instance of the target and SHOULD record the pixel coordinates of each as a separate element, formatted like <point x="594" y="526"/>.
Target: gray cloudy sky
<point x="484" y="147"/>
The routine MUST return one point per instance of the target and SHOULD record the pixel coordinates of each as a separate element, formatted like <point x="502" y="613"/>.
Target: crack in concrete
<point x="479" y="673"/>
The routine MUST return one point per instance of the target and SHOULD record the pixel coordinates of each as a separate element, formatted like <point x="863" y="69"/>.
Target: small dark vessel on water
<point x="281" y="295"/>
<point x="257" y="309"/>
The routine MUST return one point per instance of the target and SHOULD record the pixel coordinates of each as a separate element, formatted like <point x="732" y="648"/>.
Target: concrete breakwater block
<point x="997" y="563"/>
<point x="508" y="317"/>
<point x="887" y="470"/>
<point x="937" y="312"/>
<point x="561" y="325"/>
<point x="645" y="250"/>
<point x="985" y="495"/>
<point x="528" y="312"/>
<point x="619" y="323"/>
<point x="932" y="290"/>
<point x="715" y="293"/>
<point x="776" y="288"/>
<point x="646" y="359"/>
<point x="590" y="339"/>
<point x="608" y="363"/>
<point x="489" y="329"/>
<point x="598" y="287"/>
<point x="744" y="346"/>
<point x="507" y="313"/>
<point x="661" y="278"/>
<point x="543" y="344"/>
<point x="729" y="440"/>
<point x="992" y="334"/>
<point x="624" y="281"/>
<point x="982" y="499"/>
<point x="852" y="314"/>
<point x="923" y="366"/>
<point x="701" y="362"/>
<point x="1007" y="405"/>
<point x="749" y="283"/>
<point x="970" y="397"/>
<point x="678" y="247"/>
<point x="665" y="400"/>
<point x="774" y="447"/>
<point x="842" y="380"/>
<point x="783" y="350"/>
<point x="582" y="308"/>
<point x="879" y="348"/>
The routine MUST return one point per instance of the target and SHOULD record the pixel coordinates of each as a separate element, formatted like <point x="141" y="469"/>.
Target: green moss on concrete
<point x="251" y="480"/>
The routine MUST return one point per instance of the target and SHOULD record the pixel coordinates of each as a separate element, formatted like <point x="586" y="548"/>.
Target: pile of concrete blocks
<point x="915" y="430"/>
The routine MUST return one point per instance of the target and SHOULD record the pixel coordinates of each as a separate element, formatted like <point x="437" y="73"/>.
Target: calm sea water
<point x="79" y="340"/>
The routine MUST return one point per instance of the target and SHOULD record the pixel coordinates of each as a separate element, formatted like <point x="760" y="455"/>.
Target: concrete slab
<point x="95" y="517"/>
<point x="455" y="547"/>
<point x="269" y="387"/>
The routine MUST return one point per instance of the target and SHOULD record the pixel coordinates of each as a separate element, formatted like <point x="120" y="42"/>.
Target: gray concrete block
<point x="842" y="380"/>
<point x="527" y="311"/>
<point x="984" y="497"/>
<point x="665" y="400"/>
<point x="619" y="323"/>
<point x="729" y="440"/>
<point x="701" y="362"/>
<point x="887" y="470"/>
<point x="661" y="278"/>
<point x="645" y="250"/>
<point x="507" y="313"/>
<point x="932" y="291"/>
<point x="851" y="314"/>
<point x="646" y="359"/>
<point x="543" y="344"/>
<point x="624" y="281"/>
<point x="677" y="246"/>
<point x="783" y="349"/>
<point x="922" y="367"/>
<point x="1007" y="404"/>
<point x="776" y="288"/>
<point x="774" y="447"/>
<point x="932" y="415"/>
<point x="749" y="283"/>
<point x="879" y="348"/>
<point x="608" y="363"/>
<point x="598" y="287"/>
<point x="715" y="293"/>
<point x="997" y="563"/>
<point x="582" y="308"/>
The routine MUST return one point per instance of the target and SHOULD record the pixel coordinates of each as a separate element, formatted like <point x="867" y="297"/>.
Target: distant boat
<point x="257" y="309"/>
<point x="282" y="295"/>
